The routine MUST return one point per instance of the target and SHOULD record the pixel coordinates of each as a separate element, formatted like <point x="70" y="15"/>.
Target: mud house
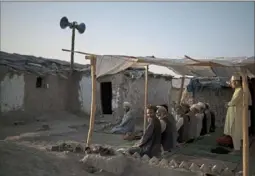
<point x="113" y="90"/>
<point x="31" y="86"/>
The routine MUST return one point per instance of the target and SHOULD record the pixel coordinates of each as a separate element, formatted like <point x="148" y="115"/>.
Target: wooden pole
<point x="93" y="99"/>
<point x="181" y="90"/>
<point x="245" y="125"/>
<point x="72" y="48"/>
<point x="145" y="98"/>
<point x="169" y="98"/>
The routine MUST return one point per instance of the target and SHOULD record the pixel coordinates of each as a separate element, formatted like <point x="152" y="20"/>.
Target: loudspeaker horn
<point x="81" y="28"/>
<point x="64" y="23"/>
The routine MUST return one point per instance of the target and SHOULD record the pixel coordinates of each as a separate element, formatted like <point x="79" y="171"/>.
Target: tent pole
<point x="181" y="90"/>
<point x="245" y="125"/>
<point x="145" y="98"/>
<point x="93" y="99"/>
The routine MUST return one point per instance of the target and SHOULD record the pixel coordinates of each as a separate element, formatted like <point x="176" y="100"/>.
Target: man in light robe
<point x="233" y="123"/>
<point x="206" y="123"/>
<point x="195" y="121"/>
<point x="127" y="124"/>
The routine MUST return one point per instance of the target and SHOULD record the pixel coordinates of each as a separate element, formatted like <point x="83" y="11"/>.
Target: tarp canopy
<point x="186" y="66"/>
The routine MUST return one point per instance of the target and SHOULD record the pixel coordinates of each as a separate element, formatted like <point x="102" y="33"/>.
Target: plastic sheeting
<point x="228" y="65"/>
<point x="108" y="65"/>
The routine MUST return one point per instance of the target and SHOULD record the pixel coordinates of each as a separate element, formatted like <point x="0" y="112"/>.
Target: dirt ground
<point x="24" y="148"/>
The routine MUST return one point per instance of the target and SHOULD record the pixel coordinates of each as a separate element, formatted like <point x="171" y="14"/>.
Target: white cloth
<point x="163" y="125"/>
<point x="233" y="123"/>
<point x="108" y="65"/>
<point x="179" y="123"/>
<point x="127" y="104"/>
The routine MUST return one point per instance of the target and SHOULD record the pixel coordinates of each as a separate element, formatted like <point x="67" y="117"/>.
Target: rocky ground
<point x="51" y="146"/>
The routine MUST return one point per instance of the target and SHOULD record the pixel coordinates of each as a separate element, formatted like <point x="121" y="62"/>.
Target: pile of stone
<point x="68" y="146"/>
<point x="153" y="166"/>
<point x="101" y="150"/>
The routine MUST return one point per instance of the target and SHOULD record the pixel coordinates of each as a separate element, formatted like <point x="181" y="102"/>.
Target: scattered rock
<point x="184" y="165"/>
<point x="194" y="168"/>
<point x="216" y="169"/>
<point x="136" y="155"/>
<point x="163" y="163"/>
<point x="70" y="147"/>
<point x="16" y="123"/>
<point x="173" y="164"/>
<point x="227" y="172"/>
<point x="153" y="161"/>
<point x="204" y="168"/>
<point x="44" y="127"/>
<point x="145" y="158"/>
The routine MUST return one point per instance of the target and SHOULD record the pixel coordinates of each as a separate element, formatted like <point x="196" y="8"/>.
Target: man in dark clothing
<point x="150" y="144"/>
<point x="168" y="129"/>
<point x="212" y="126"/>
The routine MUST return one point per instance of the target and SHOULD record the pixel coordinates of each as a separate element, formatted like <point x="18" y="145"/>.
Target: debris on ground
<point x="18" y="159"/>
<point x="68" y="146"/>
<point x="16" y="123"/>
<point x="101" y="150"/>
<point x="44" y="127"/>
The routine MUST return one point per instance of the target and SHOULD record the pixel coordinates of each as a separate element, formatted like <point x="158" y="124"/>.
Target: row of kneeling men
<point x="165" y="129"/>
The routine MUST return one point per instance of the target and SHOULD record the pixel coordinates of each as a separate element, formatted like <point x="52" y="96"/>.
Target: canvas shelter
<point x="186" y="66"/>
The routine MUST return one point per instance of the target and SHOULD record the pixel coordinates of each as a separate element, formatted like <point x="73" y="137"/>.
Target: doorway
<point x="252" y="108"/>
<point x="106" y="97"/>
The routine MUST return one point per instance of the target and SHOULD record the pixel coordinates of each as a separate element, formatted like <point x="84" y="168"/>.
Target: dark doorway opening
<point x="39" y="81"/>
<point x="252" y="107"/>
<point x="106" y="97"/>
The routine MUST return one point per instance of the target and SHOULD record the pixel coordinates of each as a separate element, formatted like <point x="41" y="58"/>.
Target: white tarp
<point x="107" y="65"/>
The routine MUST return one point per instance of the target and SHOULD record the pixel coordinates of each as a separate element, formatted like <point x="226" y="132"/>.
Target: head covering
<point x="127" y="104"/>
<point x="201" y="105"/>
<point x="185" y="107"/>
<point x="161" y="108"/>
<point x="236" y="78"/>
<point x="194" y="106"/>
<point x="207" y="106"/>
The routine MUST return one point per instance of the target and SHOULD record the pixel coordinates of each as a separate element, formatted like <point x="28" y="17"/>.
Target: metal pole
<point x="72" y="47"/>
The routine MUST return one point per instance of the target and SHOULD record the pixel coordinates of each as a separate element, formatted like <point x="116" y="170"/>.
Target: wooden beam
<point x="195" y="60"/>
<point x="93" y="99"/>
<point x="181" y="90"/>
<point x="145" y="97"/>
<point x="245" y="124"/>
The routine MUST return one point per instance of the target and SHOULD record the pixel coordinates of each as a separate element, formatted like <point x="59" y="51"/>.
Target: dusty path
<point x="23" y="148"/>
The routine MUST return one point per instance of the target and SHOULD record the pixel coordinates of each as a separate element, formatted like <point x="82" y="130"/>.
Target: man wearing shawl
<point x="150" y="144"/>
<point x="233" y="123"/>
<point x="182" y="122"/>
<point x="127" y="124"/>
<point x="168" y="128"/>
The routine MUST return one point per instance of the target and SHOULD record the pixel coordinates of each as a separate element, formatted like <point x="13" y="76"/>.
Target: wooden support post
<point x="93" y="99"/>
<point x="169" y="98"/>
<point x="145" y="97"/>
<point x="245" y="124"/>
<point x="181" y="90"/>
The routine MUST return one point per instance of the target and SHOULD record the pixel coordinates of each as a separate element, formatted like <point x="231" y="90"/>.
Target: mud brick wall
<point x="217" y="100"/>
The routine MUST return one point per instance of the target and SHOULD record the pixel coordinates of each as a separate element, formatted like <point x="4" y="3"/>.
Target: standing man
<point x="233" y="123"/>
